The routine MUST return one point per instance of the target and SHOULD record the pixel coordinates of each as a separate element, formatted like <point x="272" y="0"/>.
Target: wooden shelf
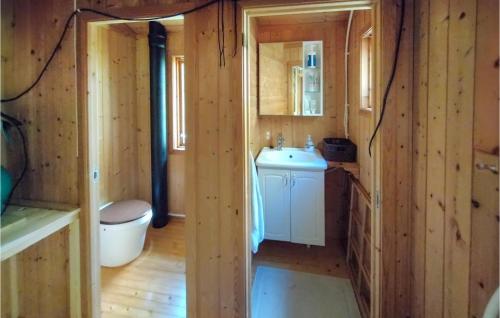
<point x="23" y="226"/>
<point x="350" y="167"/>
<point x="358" y="246"/>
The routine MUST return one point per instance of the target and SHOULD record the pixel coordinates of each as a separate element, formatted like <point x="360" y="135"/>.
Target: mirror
<point x="290" y="79"/>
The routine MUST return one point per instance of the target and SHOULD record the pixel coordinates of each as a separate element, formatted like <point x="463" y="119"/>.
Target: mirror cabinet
<point x="291" y="78"/>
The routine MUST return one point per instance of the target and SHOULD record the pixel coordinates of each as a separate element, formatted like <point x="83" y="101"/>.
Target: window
<point x="366" y="70"/>
<point x="179" y="108"/>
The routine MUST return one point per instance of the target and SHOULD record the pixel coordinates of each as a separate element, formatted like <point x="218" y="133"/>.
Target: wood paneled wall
<point x="455" y="203"/>
<point x="215" y="169"/>
<point x="49" y="115"/>
<point x="41" y="278"/>
<point x="124" y="117"/>
<point x="117" y="114"/>
<point x="394" y="179"/>
<point x="296" y="129"/>
<point x="49" y="110"/>
<point x="254" y="131"/>
<point x="360" y="120"/>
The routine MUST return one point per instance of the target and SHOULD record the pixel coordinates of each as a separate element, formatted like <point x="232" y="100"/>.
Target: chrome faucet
<point x="280" y="142"/>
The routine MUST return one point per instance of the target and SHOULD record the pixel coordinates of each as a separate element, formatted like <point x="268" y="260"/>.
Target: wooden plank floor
<point x="154" y="285"/>
<point x="328" y="260"/>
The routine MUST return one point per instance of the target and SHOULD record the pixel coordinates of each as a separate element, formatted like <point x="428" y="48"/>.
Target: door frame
<point x="88" y="147"/>
<point x="252" y="11"/>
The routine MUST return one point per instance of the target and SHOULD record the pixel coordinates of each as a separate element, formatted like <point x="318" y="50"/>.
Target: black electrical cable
<point x="17" y="125"/>
<point x="220" y="33"/>
<point x="105" y="14"/>
<point x="58" y="46"/>
<point x="391" y="79"/>
<point x="235" y="27"/>
<point x="44" y="69"/>
<point x="116" y="17"/>
<point x="223" y="35"/>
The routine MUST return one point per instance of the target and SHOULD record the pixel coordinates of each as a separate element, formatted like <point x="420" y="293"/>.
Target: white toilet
<point x="123" y="231"/>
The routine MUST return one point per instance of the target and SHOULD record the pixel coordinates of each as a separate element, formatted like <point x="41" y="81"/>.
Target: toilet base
<point x="123" y="243"/>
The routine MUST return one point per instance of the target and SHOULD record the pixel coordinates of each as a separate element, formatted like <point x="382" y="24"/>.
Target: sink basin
<point x="291" y="158"/>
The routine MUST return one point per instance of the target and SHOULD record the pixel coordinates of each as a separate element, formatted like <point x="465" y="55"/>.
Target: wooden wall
<point x="360" y="120"/>
<point x="254" y="131"/>
<point x="296" y="129"/>
<point x="49" y="110"/>
<point x="49" y="115"/>
<point x="215" y="169"/>
<point x="36" y="279"/>
<point x="117" y="114"/>
<point x="125" y="160"/>
<point x="392" y="243"/>
<point x="455" y="203"/>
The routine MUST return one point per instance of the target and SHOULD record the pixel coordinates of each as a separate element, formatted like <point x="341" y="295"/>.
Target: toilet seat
<point x="124" y="211"/>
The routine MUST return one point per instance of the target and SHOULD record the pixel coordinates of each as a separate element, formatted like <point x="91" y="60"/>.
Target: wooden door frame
<point x="88" y="148"/>
<point x="252" y="11"/>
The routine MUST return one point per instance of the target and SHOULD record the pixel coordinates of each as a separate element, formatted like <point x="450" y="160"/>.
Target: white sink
<point x="291" y="158"/>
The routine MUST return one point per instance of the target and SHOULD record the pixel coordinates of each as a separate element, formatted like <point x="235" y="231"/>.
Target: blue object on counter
<point x="6" y="186"/>
<point x="311" y="59"/>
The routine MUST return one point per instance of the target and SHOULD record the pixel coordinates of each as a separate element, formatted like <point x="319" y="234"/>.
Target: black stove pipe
<point x="158" y="99"/>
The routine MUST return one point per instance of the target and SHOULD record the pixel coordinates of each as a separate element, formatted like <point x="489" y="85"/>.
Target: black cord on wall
<point x="235" y="27"/>
<point x="116" y="17"/>
<point x="391" y="79"/>
<point x="15" y="123"/>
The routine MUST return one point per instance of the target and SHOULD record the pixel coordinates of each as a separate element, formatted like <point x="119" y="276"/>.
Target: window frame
<point x="178" y="104"/>
<point x="366" y="65"/>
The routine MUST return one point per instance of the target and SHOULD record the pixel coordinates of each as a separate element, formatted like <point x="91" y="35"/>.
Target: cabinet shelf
<point x="312" y="87"/>
<point x="358" y="245"/>
<point x="23" y="226"/>
<point x="26" y="223"/>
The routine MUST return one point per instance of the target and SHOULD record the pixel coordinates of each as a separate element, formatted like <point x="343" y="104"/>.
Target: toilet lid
<point x="124" y="211"/>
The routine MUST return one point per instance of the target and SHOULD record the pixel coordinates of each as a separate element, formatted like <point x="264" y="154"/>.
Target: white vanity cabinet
<point x="294" y="205"/>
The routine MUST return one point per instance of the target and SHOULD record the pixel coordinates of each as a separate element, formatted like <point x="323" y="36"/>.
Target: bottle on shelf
<point x="311" y="58"/>
<point x="309" y="146"/>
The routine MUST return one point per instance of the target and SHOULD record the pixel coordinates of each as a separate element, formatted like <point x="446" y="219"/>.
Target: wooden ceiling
<point x="303" y="18"/>
<point x="175" y="25"/>
<point x="171" y="25"/>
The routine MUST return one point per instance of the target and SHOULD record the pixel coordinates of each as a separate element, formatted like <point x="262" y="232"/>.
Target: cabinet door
<point x="308" y="207"/>
<point x="275" y="189"/>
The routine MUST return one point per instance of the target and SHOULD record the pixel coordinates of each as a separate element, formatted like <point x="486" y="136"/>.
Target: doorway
<point x="153" y="283"/>
<point x="347" y="255"/>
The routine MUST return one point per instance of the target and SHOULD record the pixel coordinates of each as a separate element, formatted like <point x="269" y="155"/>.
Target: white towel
<point x="257" y="234"/>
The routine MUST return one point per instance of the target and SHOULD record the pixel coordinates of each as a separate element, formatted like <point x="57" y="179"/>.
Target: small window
<point x="367" y="70"/>
<point x="179" y="109"/>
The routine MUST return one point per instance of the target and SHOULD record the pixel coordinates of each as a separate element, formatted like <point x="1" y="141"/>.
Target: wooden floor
<point x="154" y="285"/>
<point x="329" y="260"/>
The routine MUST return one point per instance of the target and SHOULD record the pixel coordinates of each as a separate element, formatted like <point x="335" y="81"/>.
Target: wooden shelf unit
<point x="30" y="222"/>
<point x="350" y="167"/>
<point x="359" y="244"/>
